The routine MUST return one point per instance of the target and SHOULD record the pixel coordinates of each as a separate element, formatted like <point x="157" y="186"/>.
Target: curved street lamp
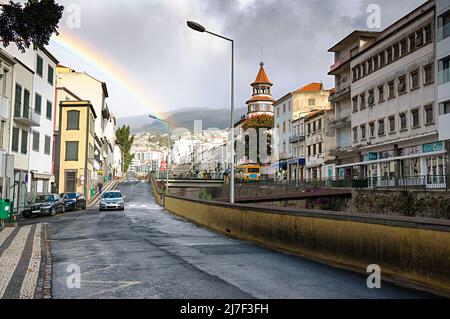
<point x="199" y="28"/>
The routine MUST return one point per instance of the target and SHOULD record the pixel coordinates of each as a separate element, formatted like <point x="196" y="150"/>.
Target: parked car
<point x="74" y="201"/>
<point x="50" y="204"/>
<point x="112" y="200"/>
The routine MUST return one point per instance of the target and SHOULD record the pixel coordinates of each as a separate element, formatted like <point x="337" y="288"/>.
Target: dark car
<point x="74" y="201"/>
<point x="112" y="200"/>
<point x="50" y="204"/>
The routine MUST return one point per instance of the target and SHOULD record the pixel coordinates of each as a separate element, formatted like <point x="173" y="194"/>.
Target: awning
<point x="41" y="176"/>
<point x="279" y="165"/>
<point x="298" y="161"/>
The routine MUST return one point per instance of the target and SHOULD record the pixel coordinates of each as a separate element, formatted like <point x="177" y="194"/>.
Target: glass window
<point x="26" y="104"/>
<point x="24" y="142"/>
<point x="36" y="138"/>
<point x="50" y="75"/>
<point x="49" y="110"/>
<point x="372" y="129"/>
<point x="396" y="51"/>
<point x="73" y="120"/>
<point x="444" y="70"/>
<point x="392" y="124"/>
<point x="403" y="121"/>
<point x="429" y="118"/>
<point x="355" y="103"/>
<point x="415" y="83"/>
<point x="389" y="55"/>
<point x="363" y="132"/>
<point x="401" y="85"/>
<point x="415" y="118"/>
<point x="412" y="42"/>
<point x="362" y="101"/>
<point x="419" y="38"/>
<point x="37" y="103"/>
<point x="39" y="66"/>
<point x="428" y="34"/>
<point x="380" y="94"/>
<point x="15" y="140"/>
<point x="71" y="151"/>
<point x="355" y="134"/>
<point x="47" y="145"/>
<point x="404" y="47"/>
<point x="18" y="101"/>
<point x="371" y="98"/>
<point x="428" y="74"/>
<point x="381" y="127"/>
<point x="391" y="87"/>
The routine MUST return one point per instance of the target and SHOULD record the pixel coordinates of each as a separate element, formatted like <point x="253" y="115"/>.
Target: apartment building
<point x="7" y="64"/>
<point x="289" y="108"/>
<point x="84" y="87"/>
<point x="319" y="141"/>
<point x="394" y="111"/>
<point x="443" y="73"/>
<point x="341" y="99"/>
<point x="297" y="142"/>
<point x="76" y="140"/>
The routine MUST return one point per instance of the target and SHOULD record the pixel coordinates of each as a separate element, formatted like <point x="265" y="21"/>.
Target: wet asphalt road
<point x="146" y="252"/>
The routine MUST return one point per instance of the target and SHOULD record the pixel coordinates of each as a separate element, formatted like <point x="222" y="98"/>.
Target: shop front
<point x="296" y="168"/>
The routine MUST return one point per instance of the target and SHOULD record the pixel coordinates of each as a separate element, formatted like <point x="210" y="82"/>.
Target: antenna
<point x="261" y="53"/>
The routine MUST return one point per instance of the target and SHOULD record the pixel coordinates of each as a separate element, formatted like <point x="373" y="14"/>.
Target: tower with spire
<point x="261" y="101"/>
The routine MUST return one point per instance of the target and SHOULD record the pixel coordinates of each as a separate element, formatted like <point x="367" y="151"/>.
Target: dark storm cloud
<point x="187" y="69"/>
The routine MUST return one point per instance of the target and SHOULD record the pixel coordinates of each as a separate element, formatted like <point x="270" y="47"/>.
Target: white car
<point x="112" y="200"/>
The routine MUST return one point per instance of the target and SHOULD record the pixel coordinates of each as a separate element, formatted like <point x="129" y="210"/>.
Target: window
<point x="314" y="126"/>
<point x="380" y="94"/>
<point x="26" y="104"/>
<point x="36" y="137"/>
<point x="18" y="101"/>
<point x="39" y="66"/>
<point x="70" y="183"/>
<point x="403" y="122"/>
<point x="49" y="110"/>
<point x="284" y="108"/>
<point x="92" y="125"/>
<point x="363" y="101"/>
<point x="50" y="75"/>
<point x="396" y="51"/>
<point x="428" y="34"/>
<point x="415" y="80"/>
<point x="278" y="112"/>
<point x="73" y="120"/>
<point x="71" y="151"/>
<point x="312" y="102"/>
<point x="363" y="69"/>
<point x="404" y="47"/>
<point x="47" y="144"/>
<point x="429" y="118"/>
<point x="412" y="42"/>
<point x="24" y="143"/>
<point x="391" y="124"/>
<point x="444" y="70"/>
<point x="320" y="148"/>
<point x="284" y="127"/>
<point x="363" y="132"/>
<point x="389" y="55"/>
<point x="2" y="133"/>
<point x="355" y="103"/>
<point x="372" y="129"/>
<point x="37" y="103"/>
<point x="391" y="87"/>
<point x="382" y="57"/>
<point x="415" y="118"/>
<point x="419" y="38"/>
<point x="309" y="128"/>
<point x="444" y="108"/>
<point x="428" y="74"/>
<point x="369" y="66"/>
<point x="371" y="99"/>
<point x="401" y="85"/>
<point x="319" y="124"/>
<point x="15" y="140"/>
<point x="375" y="63"/>
<point x="381" y="127"/>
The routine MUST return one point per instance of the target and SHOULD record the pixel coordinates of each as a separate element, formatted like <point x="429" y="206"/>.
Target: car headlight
<point x="103" y="202"/>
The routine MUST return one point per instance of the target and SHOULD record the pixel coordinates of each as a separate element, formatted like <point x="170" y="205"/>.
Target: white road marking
<point x="30" y="281"/>
<point x="5" y="234"/>
<point x="11" y="257"/>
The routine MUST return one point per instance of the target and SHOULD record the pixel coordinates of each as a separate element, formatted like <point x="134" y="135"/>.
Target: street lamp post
<point x="169" y="147"/>
<point x="199" y="28"/>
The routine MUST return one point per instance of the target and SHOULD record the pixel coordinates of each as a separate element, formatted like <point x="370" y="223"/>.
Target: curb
<point x="46" y="292"/>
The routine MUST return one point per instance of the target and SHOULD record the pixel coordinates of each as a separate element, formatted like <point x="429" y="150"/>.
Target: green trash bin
<point x="5" y="209"/>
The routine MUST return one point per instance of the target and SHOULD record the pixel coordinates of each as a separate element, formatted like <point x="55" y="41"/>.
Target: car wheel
<point x="53" y="212"/>
<point x="84" y="207"/>
<point x="63" y="209"/>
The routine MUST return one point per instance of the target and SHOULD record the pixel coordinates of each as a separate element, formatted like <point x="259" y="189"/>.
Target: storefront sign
<point x="372" y="156"/>
<point x="433" y="147"/>
<point x="410" y="150"/>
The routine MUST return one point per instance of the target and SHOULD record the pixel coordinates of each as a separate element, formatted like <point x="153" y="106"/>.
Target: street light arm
<point x="220" y="36"/>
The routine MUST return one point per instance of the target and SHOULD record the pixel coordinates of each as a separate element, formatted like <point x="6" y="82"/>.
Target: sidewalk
<point x="20" y="261"/>
<point x="108" y="186"/>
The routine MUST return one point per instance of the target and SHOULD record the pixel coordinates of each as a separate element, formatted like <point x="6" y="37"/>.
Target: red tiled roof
<point x="261" y="98"/>
<point x="262" y="77"/>
<point x="311" y="87"/>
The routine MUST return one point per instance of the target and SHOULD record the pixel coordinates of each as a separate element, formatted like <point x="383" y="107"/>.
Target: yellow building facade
<point x="75" y="168"/>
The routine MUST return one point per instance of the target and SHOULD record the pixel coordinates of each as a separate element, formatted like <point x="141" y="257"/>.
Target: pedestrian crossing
<point x="20" y="261"/>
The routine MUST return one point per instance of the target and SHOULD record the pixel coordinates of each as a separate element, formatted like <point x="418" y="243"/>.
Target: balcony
<point x="27" y="117"/>
<point x="341" y="122"/>
<point x="341" y="61"/>
<point x="340" y="94"/>
<point x="443" y="32"/>
<point x="297" y="138"/>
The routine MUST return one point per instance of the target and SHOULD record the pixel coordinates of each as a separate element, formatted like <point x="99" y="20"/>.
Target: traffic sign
<point x="163" y="166"/>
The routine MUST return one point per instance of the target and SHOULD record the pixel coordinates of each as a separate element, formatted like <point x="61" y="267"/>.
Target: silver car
<point x="112" y="200"/>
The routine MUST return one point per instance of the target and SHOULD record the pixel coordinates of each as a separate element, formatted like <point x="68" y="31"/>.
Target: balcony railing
<point x="443" y="32"/>
<point x="341" y="122"/>
<point x="342" y="60"/>
<point x="444" y="76"/>
<point x="297" y="138"/>
<point x="26" y="116"/>
<point x="340" y="93"/>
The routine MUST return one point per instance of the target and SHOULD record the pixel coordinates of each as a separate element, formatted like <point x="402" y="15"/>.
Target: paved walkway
<point x="20" y="261"/>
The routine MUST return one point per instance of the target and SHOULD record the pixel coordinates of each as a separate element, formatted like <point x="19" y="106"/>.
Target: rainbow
<point x="105" y="64"/>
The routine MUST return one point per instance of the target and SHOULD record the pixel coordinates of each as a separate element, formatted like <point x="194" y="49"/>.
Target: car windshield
<point x="43" y="199"/>
<point x="70" y="196"/>
<point x="253" y="170"/>
<point x="112" y="195"/>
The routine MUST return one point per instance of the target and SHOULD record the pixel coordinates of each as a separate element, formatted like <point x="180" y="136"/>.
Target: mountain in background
<point x="211" y="118"/>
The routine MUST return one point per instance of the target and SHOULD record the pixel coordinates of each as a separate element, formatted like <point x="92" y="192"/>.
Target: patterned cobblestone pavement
<point x="20" y="261"/>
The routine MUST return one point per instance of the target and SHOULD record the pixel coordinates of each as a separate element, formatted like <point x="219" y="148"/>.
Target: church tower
<point x="262" y="100"/>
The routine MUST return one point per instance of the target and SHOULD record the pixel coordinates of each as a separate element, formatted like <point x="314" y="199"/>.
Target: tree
<point x="33" y="23"/>
<point x="125" y="141"/>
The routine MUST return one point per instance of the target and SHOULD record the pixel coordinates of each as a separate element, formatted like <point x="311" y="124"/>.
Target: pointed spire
<point x="261" y="78"/>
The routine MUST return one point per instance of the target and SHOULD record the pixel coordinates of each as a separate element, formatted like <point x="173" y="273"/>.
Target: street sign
<point x="82" y="178"/>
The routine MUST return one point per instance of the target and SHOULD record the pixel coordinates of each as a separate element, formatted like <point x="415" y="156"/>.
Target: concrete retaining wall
<point x="409" y="250"/>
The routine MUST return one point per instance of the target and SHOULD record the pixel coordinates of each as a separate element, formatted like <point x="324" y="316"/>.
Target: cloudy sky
<point x="153" y="63"/>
